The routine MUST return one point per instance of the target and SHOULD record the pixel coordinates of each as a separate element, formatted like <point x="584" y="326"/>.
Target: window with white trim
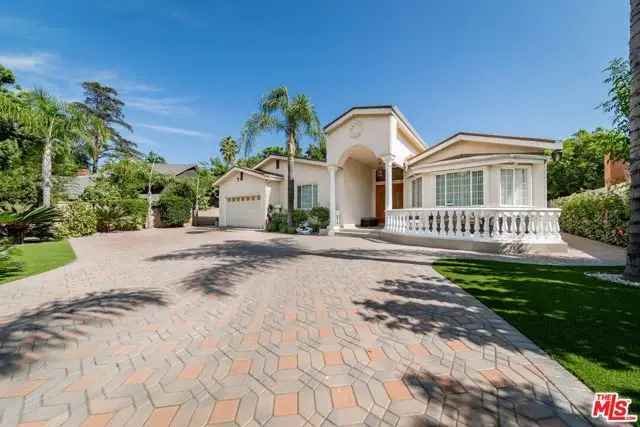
<point x="416" y="193"/>
<point x="307" y="196"/>
<point x="464" y="188"/>
<point x="514" y="187"/>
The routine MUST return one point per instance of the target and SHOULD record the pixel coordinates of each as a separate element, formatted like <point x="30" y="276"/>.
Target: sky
<point x="192" y="72"/>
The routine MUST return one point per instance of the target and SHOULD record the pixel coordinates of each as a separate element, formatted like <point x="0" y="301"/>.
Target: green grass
<point x="33" y="258"/>
<point x="590" y="326"/>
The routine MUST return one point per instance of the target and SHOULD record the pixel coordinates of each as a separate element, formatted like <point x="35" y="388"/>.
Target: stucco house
<point x="470" y="191"/>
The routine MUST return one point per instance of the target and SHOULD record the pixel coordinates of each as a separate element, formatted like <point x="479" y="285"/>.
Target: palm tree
<point x="632" y="269"/>
<point x="43" y="117"/>
<point x="228" y="150"/>
<point x="94" y="133"/>
<point x="295" y="117"/>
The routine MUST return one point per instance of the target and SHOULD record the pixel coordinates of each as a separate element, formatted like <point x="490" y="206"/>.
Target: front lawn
<point x="590" y="326"/>
<point x="33" y="258"/>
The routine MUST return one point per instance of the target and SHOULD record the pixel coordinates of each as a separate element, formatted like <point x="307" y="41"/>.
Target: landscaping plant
<point x="175" y="211"/>
<point x="17" y="221"/>
<point x="77" y="219"/>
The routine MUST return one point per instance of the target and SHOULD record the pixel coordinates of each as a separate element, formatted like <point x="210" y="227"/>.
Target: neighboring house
<point x="470" y="191"/>
<point x="75" y="186"/>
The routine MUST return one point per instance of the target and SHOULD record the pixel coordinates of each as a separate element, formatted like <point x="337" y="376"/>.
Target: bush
<point x="101" y="192"/>
<point x="597" y="215"/>
<point x="318" y="218"/>
<point x="299" y="216"/>
<point x="175" y="211"/>
<point x="76" y="219"/>
<point x="135" y="214"/>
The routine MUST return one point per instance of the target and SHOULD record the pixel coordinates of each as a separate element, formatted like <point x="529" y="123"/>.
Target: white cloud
<point x="26" y="62"/>
<point x="162" y="106"/>
<point x="174" y="130"/>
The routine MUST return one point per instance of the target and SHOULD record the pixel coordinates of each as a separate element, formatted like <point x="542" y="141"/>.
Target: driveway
<point x="195" y="327"/>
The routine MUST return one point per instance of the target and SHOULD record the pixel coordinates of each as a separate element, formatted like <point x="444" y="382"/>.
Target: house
<point x="471" y="191"/>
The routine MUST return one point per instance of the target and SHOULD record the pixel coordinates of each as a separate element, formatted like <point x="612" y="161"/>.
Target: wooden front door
<point x="397" y="202"/>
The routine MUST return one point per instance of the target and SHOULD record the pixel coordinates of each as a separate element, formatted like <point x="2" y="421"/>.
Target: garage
<point x="245" y="211"/>
<point x="243" y="197"/>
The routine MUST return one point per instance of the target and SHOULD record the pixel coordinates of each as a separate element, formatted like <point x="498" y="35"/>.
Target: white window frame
<point x="315" y="202"/>
<point x="412" y="183"/>
<point x="471" y="171"/>
<point x="529" y="173"/>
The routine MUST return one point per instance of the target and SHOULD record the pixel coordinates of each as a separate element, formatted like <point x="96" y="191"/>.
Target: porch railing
<point x="480" y="224"/>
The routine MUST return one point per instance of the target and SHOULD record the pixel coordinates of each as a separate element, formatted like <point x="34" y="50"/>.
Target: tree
<point x="94" y="133"/>
<point x="229" y="150"/>
<point x="581" y="166"/>
<point x="7" y="78"/>
<point x="104" y="102"/>
<point x="153" y="157"/>
<point x="46" y="119"/>
<point x="619" y="79"/>
<point x="293" y="117"/>
<point x="317" y="151"/>
<point x="632" y="269"/>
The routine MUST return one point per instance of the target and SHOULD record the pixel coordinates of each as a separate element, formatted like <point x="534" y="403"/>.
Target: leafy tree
<point x="294" y="117"/>
<point x="317" y="151"/>
<point x="581" y="166"/>
<point x="94" y="133"/>
<point x="104" y="102"/>
<point x="632" y="269"/>
<point x="153" y="157"/>
<point x="619" y="79"/>
<point x="229" y="149"/>
<point x="7" y="78"/>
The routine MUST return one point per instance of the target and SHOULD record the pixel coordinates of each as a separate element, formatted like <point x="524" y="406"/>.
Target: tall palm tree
<point x="294" y="117"/>
<point x="46" y="119"/>
<point x="632" y="269"/>
<point x="229" y="150"/>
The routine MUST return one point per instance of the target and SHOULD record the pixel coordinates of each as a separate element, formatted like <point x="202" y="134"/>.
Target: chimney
<point x="615" y="171"/>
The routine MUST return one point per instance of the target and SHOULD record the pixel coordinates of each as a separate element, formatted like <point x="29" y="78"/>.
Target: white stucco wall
<point x="354" y="188"/>
<point x="303" y="173"/>
<point x="374" y="134"/>
<point x="233" y="187"/>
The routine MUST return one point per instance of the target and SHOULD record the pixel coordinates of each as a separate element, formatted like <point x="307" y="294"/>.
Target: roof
<point x="280" y="157"/>
<point x="267" y="176"/>
<point x="173" y="169"/>
<point x="394" y="110"/>
<point x="533" y="142"/>
<point x="75" y="185"/>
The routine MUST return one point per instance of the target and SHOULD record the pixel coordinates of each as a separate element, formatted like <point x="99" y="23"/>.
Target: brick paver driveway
<point x="196" y="327"/>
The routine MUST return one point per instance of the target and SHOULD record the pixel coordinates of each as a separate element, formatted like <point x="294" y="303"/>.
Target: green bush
<point x="596" y="215"/>
<point x="101" y="192"/>
<point x="76" y="219"/>
<point x="299" y="216"/>
<point x="175" y="211"/>
<point x="135" y="214"/>
<point x="318" y="218"/>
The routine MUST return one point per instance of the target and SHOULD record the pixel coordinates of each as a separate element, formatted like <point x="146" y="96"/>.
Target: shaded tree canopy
<point x="618" y="104"/>
<point x="153" y="157"/>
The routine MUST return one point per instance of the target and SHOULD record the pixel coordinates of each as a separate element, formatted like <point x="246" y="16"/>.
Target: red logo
<point x="612" y="408"/>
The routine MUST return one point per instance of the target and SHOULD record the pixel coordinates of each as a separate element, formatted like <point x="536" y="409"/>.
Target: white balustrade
<point x="478" y="224"/>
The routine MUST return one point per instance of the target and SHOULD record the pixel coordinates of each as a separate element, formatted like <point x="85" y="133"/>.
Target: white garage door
<point x="245" y="211"/>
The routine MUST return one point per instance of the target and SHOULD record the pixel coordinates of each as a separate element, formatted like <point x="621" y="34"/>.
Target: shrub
<point x="596" y="215"/>
<point x="135" y="214"/>
<point x="174" y="210"/>
<point x="101" y="192"/>
<point x="318" y="218"/>
<point x="18" y="221"/>
<point x="277" y="220"/>
<point x="110" y="217"/>
<point x="76" y="219"/>
<point x="299" y="216"/>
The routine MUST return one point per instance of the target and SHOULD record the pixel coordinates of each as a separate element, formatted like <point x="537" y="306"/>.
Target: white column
<point x="332" y="197"/>
<point x="388" y="182"/>
<point x="373" y="194"/>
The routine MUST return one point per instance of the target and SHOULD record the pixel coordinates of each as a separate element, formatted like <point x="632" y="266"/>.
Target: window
<point x="514" y="187"/>
<point x="460" y="189"/>
<point x="307" y="196"/>
<point x="416" y="193"/>
<point x="277" y="163"/>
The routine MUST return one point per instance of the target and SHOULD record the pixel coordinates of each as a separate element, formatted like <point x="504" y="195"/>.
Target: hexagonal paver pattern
<point x="194" y="327"/>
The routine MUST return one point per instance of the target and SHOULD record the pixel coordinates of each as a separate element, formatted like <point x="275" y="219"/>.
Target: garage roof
<point x="267" y="176"/>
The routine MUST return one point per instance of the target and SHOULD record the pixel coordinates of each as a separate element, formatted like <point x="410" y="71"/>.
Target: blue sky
<point x="192" y="72"/>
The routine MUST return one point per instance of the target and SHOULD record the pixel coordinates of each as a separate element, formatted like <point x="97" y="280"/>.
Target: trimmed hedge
<point x="76" y="219"/>
<point x="175" y="211"/>
<point x="135" y="214"/>
<point x="317" y="217"/>
<point x="598" y="215"/>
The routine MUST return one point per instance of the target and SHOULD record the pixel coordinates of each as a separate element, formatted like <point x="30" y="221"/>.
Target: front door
<point x="397" y="201"/>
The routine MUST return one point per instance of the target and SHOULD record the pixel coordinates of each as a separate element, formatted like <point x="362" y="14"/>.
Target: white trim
<point x="295" y="160"/>
<point x="529" y="170"/>
<point x="395" y="181"/>
<point x="497" y="139"/>
<point x="479" y="161"/>
<point x="251" y="172"/>
<point x="470" y="170"/>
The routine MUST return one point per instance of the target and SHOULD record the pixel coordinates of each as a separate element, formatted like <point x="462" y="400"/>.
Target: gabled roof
<point x="267" y="176"/>
<point x="376" y="109"/>
<point x="173" y="169"/>
<point x="522" y="141"/>
<point x="297" y="159"/>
